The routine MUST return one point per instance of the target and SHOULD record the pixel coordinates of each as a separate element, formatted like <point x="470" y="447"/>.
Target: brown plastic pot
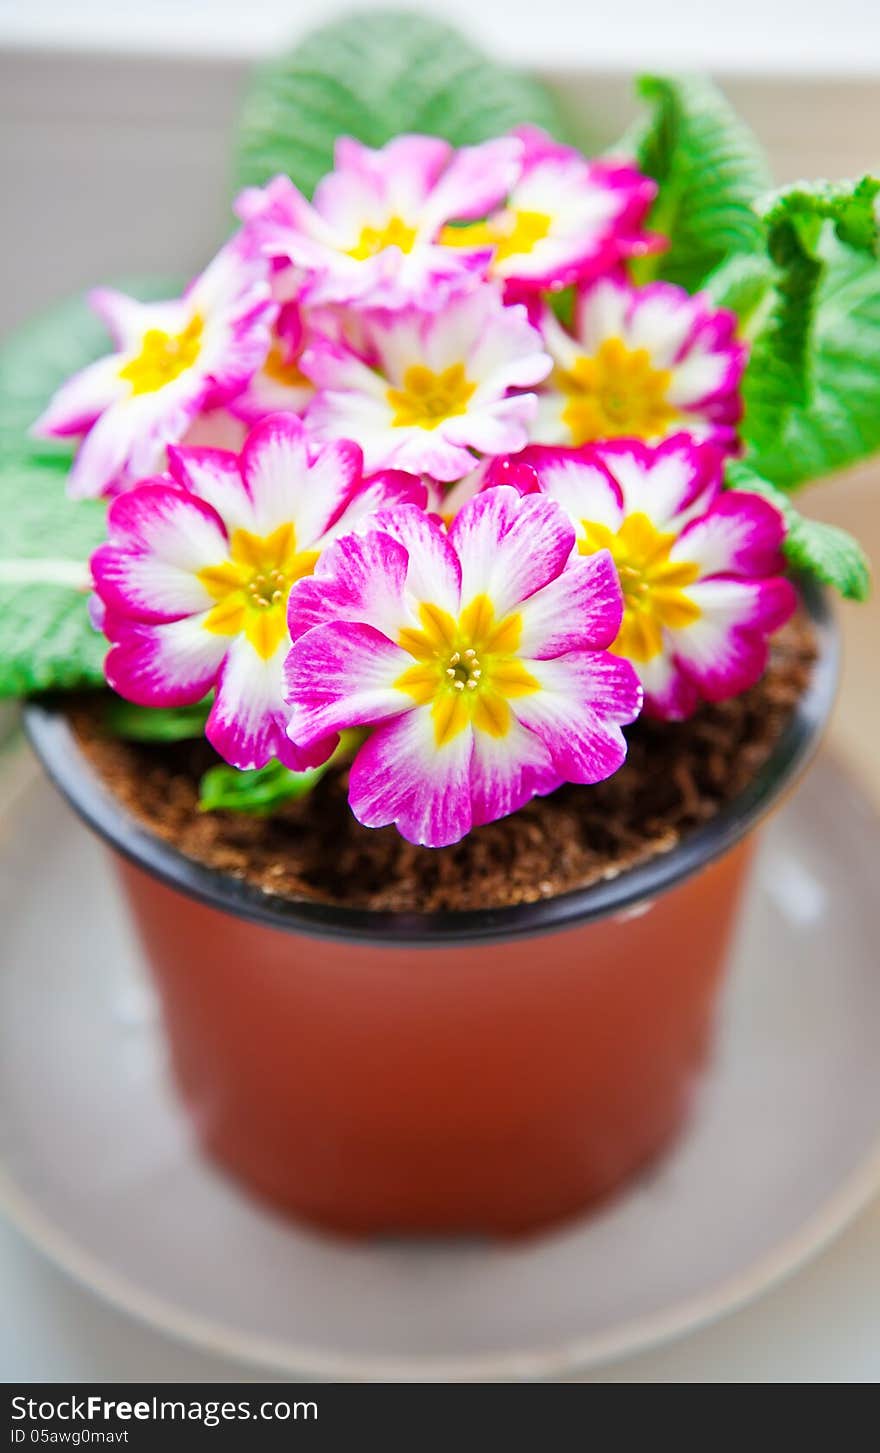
<point x="488" y="1071"/>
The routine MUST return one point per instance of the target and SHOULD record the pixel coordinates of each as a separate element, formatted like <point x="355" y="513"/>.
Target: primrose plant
<point x="468" y="458"/>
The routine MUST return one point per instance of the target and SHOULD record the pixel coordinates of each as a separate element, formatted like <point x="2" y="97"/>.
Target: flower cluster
<point x="362" y="475"/>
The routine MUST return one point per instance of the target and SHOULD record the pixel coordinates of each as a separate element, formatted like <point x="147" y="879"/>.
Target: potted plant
<point x="438" y="548"/>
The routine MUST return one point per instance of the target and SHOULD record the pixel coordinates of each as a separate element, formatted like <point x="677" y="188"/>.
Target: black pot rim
<point x="53" y="741"/>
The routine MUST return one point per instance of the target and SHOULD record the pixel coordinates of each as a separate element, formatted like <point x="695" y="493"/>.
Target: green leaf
<point x="780" y="367"/>
<point x="46" y="638"/>
<point x="156" y="724"/>
<point x="826" y="552"/>
<point x="260" y="792"/>
<point x="263" y="791"/>
<point x="710" y="169"/>
<point x="812" y="387"/>
<point x="850" y="206"/>
<point x="372" y="76"/>
<point x="562" y="303"/>
<point x="741" y="283"/>
<point x="831" y="554"/>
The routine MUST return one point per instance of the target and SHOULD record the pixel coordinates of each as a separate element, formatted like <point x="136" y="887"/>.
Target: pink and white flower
<point x="565" y="219"/>
<point x="194" y="579"/>
<point x="432" y="390"/>
<point x="643" y="363"/>
<point x="476" y="658"/>
<point x="372" y="234"/>
<point x="699" y="567"/>
<point x="173" y="360"/>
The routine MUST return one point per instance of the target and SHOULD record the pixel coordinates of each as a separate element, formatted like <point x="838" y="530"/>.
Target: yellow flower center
<point x="466" y="670"/>
<point x="427" y="398"/>
<point x="288" y="374"/>
<point x="653" y="585"/>
<point x="252" y="586"/>
<point x="163" y="357"/>
<point x="615" y="393"/>
<point x="510" y="232"/>
<point x="395" y="233"/>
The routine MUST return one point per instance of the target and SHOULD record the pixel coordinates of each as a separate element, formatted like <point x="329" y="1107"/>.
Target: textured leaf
<point x="781" y="364"/>
<point x="710" y="169"/>
<point x="831" y="554"/>
<point x="806" y="420"/>
<point x="824" y="551"/>
<point x="850" y="206"/>
<point x="46" y="639"/>
<point x="373" y="76"/>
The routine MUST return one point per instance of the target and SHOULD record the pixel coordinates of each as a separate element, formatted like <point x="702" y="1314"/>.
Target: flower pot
<point x="488" y="1071"/>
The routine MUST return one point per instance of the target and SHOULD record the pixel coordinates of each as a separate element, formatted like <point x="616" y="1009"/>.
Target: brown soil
<point x="675" y="777"/>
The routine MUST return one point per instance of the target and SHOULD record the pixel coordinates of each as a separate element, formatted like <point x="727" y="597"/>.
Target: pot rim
<point x="52" y="739"/>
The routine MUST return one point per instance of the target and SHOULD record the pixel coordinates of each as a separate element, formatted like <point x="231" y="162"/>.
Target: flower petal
<point x="662" y="318"/>
<point x="79" y="401"/>
<point x="670" y="694"/>
<point x="509" y="545"/>
<point x="579" y="481"/>
<point x="214" y="476"/>
<point x="665" y="481"/>
<point x="124" y="441"/>
<point x="508" y="771"/>
<point x="500" y="428"/>
<point x="385" y="490"/>
<point x="584" y="700"/>
<point x="725" y="650"/>
<point x="342" y="675"/>
<point x="580" y="610"/>
<point x="285" y="484"/>
<point x="401" y="776"/>
<point x="601" y="312"/>
<point x="401" y="174"/>
<point x="741" y="534"/>
<point x="433" y="571"/>
<point x="160" y="538"/>
<point x="218" y="428"/>
<point x="360" y="577"/>
<point x="476" y="181"/>
<point x="169" y="663"/>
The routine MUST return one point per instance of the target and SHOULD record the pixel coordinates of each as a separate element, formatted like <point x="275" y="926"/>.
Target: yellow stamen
<point x="395" y="233"/>
<point x="510" y="232"/>
<point x="288" y="374"/>
<point x="465" y="669"/>
<point x="252" y="586"/>
<point x="163" y="357"/>
<point x="654" y="587"/>
<point x="427" y="398"/>
<point x="615" y="393"/>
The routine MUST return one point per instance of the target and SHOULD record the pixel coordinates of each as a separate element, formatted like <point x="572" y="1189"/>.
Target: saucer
<point x="98" y="1168"/>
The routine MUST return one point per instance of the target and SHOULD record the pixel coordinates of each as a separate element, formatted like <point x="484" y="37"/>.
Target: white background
<point x="748" y="35"/>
